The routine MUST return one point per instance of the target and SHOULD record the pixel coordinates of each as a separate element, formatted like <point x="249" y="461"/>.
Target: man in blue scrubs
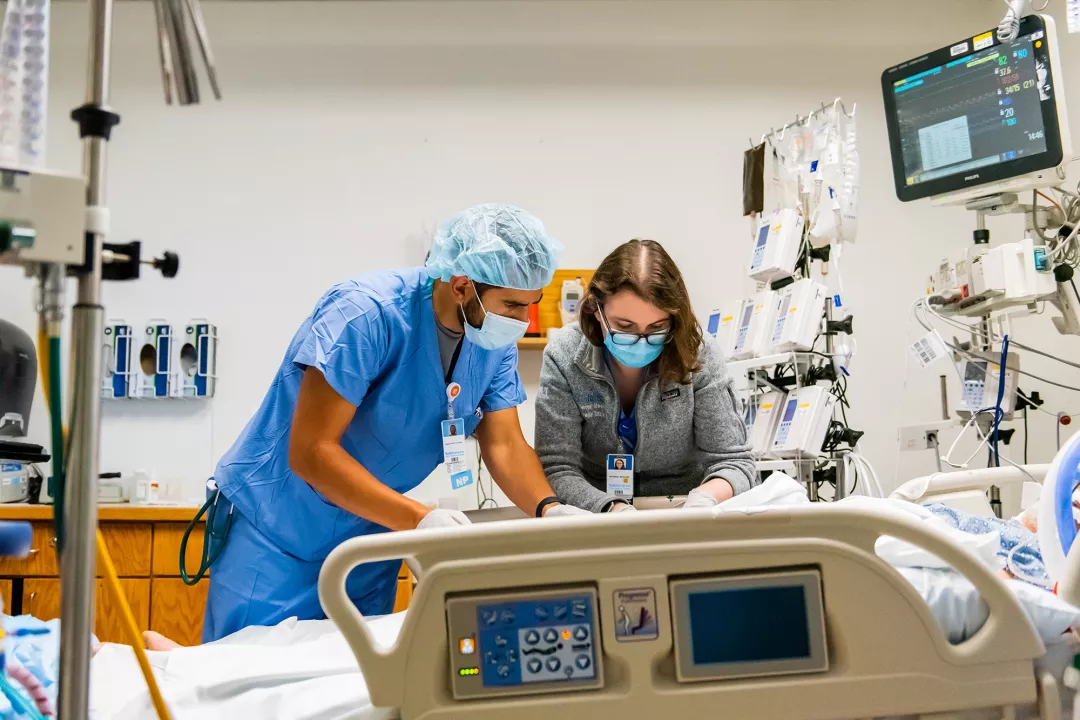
<point x="354" y="417"/>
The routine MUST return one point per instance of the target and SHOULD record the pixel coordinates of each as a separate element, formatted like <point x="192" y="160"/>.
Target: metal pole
<point x="841" y="477"/>
<point x="77" y="557"/>
<point x="944" y="397"/>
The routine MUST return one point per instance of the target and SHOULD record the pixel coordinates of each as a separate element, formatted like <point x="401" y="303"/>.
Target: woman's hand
<point x="710" y="493"/>
<point x="620" y="507"/>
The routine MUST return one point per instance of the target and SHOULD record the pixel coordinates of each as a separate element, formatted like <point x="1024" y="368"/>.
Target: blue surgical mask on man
<point x="637" y="355"/>
<point x="496" y="332"/>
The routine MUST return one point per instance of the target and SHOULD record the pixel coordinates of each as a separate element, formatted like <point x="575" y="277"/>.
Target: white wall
<point x="349" y="129"/>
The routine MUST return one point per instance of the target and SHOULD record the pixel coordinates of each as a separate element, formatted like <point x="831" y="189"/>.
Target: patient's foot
<point x="157" y="641"/>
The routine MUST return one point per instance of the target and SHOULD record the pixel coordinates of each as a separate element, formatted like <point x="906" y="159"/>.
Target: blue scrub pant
<point x="254" y="582"/>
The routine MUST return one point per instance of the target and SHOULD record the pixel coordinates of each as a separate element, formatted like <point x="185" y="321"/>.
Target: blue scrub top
<point x="374" y="340"/>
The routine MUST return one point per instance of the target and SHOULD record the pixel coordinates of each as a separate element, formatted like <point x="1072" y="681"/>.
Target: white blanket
<point x="297" y="669"/>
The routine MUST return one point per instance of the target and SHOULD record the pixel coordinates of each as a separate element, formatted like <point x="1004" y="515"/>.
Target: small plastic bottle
<point x="142" y="487"/>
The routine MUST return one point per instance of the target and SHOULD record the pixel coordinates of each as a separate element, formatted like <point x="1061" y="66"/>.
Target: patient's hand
<point x="157" y="641"/>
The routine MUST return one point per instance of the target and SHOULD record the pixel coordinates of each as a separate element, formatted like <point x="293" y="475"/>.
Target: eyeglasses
<point x="624" y="338"/>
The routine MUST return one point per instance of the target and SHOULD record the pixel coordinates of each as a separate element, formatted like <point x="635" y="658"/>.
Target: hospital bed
<point x="528" y="620"/>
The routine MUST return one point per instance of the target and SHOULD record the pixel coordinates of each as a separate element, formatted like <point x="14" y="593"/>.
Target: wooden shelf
<point x="549" y="306"/>
<point x="532" y="343"/>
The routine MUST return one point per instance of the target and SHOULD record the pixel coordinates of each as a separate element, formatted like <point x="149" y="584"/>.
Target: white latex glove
<point x="621" y="507"/>
<point x="698" y="498"/>
<point x="561" y="510"/>
<point x="441" y="517"/>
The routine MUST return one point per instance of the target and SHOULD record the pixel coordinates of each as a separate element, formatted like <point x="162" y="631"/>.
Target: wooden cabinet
<point x="405" y="584"/>
<point x="144" y="543"/>
<point x="41" y="598"/>
<point x="177" y="609"/>
<point x="167" y="540"/>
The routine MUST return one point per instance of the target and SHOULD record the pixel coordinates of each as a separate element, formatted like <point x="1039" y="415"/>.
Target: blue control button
<point x="488" y="617"/>
<point x="507" y="617"/>
<point x="511" y="656"/>
<point x="560" y="612"/>
<point x="532" y="637"/>
<point x="490" y="658"/>
<point x="504" y="671"/>
<point x="550" y="636"/>
<point x="541" y="613"/>
<point x="578" y="608"/>
<point x="553" y="664"/>
<point x="583" y="662"/>
<point x="581" y="633"/>
<point x="535" y="666"/>
<point x="500" y="641"/>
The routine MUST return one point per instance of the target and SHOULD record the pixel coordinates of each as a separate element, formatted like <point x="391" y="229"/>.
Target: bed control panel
<point x="524" y="643"/>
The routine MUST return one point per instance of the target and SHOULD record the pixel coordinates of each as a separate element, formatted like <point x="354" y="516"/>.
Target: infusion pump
<point x="754" y="325"/>
<point x="981" y="382"/>
<point x="761" y="420"/>
<point x="801" y="429"/>
<point x="776" y="249"/>
<point x="721" y="328"/>
<point x="799" y="311"/>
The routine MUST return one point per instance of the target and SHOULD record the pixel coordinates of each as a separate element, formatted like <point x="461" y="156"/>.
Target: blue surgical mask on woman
<point x="637" y="355"/>
<point x="631" y="349"/>
<point x="496" y="332"/>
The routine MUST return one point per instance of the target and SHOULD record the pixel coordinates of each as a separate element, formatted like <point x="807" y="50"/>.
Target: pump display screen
<point x="972" y="113"/>
<point x="789" y="411"/>
<point x="714" y="323"/>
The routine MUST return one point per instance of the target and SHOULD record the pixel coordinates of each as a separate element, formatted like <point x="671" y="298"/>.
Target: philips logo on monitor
<point x="969" y="178"/>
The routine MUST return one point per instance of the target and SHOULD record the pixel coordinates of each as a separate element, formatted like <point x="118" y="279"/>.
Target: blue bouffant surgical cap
<point x="495" y="244"/>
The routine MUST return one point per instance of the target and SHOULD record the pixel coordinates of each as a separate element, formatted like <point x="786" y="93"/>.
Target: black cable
<point x="1025" y="434"/>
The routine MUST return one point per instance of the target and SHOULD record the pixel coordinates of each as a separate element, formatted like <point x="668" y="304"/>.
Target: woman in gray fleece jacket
<point x="633" y="376"/>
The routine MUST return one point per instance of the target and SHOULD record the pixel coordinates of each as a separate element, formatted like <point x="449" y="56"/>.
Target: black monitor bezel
<point x="994" y="173"/>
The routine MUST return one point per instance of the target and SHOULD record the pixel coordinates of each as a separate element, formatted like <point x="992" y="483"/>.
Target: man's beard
<point x="474" y="314"/>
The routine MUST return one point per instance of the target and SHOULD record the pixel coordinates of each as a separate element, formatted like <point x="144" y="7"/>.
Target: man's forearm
<point x="330" y="470"/>
<point x="517" y="470"/>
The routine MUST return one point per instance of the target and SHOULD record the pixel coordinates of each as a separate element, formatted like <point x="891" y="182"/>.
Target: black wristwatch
<point x="544" y="503"/>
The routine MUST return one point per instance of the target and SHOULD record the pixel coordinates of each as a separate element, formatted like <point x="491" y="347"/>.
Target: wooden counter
<point x="121" y="512"/>
<point x="144" y="542"/>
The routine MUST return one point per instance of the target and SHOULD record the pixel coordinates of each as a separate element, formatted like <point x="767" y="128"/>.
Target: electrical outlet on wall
<point x="918" y="437"/>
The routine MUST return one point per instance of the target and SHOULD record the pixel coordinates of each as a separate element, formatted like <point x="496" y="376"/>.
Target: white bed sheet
<point x="297" y="670"/>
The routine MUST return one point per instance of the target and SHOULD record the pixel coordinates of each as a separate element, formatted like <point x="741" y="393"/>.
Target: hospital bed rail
<point x="966" y="489"/>
<point x="887" y="655"/>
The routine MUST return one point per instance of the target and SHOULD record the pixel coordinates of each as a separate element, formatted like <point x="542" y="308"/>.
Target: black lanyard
<point x="453" y="362"/>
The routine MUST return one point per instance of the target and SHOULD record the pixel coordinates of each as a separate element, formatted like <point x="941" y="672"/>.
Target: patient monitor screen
<point x="972" y="113"/>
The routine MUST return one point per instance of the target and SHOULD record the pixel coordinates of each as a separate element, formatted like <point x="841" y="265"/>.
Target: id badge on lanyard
<point x="455" y="455"/>
<point x="620" y="476"/>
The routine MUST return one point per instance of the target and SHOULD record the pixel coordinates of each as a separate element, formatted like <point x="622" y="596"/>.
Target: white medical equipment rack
<point x="752" y="375"/>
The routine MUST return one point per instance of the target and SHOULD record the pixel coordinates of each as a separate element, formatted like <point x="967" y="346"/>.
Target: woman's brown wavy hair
<point x="644" y="268"/>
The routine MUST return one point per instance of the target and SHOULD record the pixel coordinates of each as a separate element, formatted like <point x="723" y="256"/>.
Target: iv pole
<point x="79" y="550"/>
<point x="78" y="553"/>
